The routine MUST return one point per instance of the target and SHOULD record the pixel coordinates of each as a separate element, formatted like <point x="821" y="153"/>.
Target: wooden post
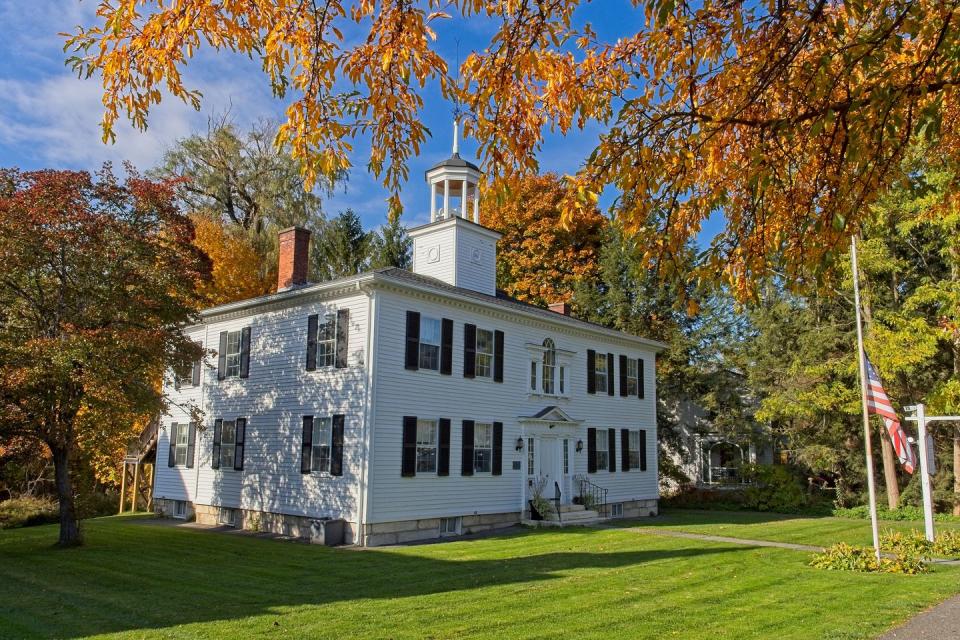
<point x="136" y="481"/>
<point x="123" y="484"/>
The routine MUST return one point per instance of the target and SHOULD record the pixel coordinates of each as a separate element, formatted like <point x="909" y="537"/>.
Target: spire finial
<point x="456" y="135"/>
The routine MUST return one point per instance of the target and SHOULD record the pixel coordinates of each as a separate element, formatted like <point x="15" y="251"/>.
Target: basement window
<point x="227" y="517"/>
<point x="616" y="510"/>
<point x="180" y="509"/>
<point x="450" y="526"/>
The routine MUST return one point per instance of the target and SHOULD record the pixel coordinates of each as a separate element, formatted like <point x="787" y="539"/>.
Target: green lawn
<point x="780" y="528"/>
<point x="138" y="580"/>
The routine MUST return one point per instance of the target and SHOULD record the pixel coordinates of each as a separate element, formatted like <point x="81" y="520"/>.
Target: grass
<point x="142" y="580"/>
<point x="780" y="528"/>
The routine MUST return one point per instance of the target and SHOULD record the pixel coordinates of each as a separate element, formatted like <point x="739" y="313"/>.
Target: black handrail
<point x="596" y="495"/>
<point x="556" y="501"/>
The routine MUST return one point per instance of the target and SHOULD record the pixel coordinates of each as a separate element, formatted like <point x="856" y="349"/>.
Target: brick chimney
<point x="560" y="307"/>
<point x="294" y="257"/>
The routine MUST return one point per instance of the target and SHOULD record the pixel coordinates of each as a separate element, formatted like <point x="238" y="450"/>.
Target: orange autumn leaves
<point x="783" y="119"/>
<point x="237" y="272"/>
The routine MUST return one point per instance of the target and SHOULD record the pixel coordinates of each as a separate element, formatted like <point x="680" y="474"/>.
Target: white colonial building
<point x="409" y="404"/>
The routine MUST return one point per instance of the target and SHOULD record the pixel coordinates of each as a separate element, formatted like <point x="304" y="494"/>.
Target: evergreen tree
<point x="341" y="247"/>
<point x="390" y="246"/>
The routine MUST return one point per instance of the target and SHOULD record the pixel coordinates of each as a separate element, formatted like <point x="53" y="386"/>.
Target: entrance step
<point x="569" y="508"/>
<point x="573" y="516"/>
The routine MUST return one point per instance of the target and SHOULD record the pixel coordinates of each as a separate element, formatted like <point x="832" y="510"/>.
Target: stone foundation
<point x="640" y="508"/>
<point x="264" y="521"/>
<point x="402" y="531"/>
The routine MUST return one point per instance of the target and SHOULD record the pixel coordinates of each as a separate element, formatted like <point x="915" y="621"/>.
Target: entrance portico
<point x="549" y="437"/>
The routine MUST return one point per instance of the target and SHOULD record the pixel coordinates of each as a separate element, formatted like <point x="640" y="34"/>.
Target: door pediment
<point x="551" y="416"/>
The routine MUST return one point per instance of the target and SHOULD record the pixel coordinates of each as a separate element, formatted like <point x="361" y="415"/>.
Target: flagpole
<point x="863" y="397"/>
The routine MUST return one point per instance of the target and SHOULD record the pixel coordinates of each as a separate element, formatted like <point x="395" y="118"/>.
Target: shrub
<point x="914" y="542"/>
<point x="775" y="487"/>
<point x="947" y="543"/>
<point x="27" y="511"/>
<point x="94" y="504"/>
<point x="844" y="557"/>
<point x="904" y="514"/>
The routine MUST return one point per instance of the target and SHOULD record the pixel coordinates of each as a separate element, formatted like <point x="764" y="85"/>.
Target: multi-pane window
<point x="562" y="385"/>
<point x="600" y="371"/>
<point x="180" y="453"/>
<point x="566" y="457"/>
<point x="233" y="355"/>
<point x="320" y="444"/>
<point x="429" y="343"/>
<point x="633" y="377"/>
<point x="603" y="452"/>
<point x="484" y="359"/>
<point x="634" y="450"/>
<point x="530" y="458"/>
<point x="482" y="447"/>
<point x="533" y="376"/>
<point x="228" y="444"/>
<point x="549" y="367"/>
<point x="426" y="446"/>
<point x="327" y="342"/>
<point x="449" y="526"/>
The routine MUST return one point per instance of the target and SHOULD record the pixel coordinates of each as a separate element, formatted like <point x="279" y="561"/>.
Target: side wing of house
<point x="283" y="400"/>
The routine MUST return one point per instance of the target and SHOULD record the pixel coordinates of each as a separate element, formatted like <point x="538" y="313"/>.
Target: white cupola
<point x="451" y="248"/>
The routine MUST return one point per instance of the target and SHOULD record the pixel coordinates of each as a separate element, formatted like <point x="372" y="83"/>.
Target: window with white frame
<point x="566" y="457"/>
<point x="616" y="510"/>
<point x="483" y="367"/>
<point x="426" y="446"/>
<point x="429" y="343"/>
<point x="600" y="371"/>
<point x="180" y="451"/>
<point x="530" y="458"/>
<point x="633" y="377"/>
<point x="533" y="376"/>
<point x="228" y="444"/>
<point x="179" y="509"/>
<point x="482" y="447"/>
<point x="549" y="367"/>
<point x="603" y="452"/>
<point x="327" y="342"/>
<point x="634" y="450"/>
<point x="227" y="517"/>
<point x="320" y="444"/>
<point x="232" y="361"/>
<point x="449" y="526"/>
<point x="562" y="382"/>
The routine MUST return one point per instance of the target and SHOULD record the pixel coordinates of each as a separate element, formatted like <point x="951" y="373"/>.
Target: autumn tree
<point x="97" y="277"/>
<point x="540" y="260"/>
<point x="238" y="271"/>
<point x="788" y="118"/>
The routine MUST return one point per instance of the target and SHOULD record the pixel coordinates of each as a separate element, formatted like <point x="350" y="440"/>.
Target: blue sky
<point x="49" y="118"/>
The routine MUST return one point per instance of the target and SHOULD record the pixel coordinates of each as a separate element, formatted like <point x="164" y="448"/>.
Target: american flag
<point x="878" y="403"/>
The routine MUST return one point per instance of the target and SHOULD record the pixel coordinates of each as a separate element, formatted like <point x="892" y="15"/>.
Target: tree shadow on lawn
<point x="122" y="581"/>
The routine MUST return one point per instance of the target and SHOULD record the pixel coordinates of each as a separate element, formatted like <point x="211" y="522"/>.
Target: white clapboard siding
<point x="427" y="394"/>
<point x="274" y="398"/>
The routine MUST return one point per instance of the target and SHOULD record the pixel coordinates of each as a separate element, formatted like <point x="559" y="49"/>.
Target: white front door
<point x="549" y="465"/>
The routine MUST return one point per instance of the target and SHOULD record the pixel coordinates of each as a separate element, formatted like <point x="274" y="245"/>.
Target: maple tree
<point x="787" y="118"/>
<point x="98" y="276"/>
<point x="540" y="260"/>
<point x="238" y="271"/>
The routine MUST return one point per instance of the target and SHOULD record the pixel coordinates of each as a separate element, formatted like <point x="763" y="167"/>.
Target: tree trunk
<point x="889" y="470"/>
<point x="69" y="524"/>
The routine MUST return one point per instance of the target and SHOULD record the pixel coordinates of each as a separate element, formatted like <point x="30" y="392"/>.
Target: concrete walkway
<point x="670" y="533"/>
<point x="940" y="623"/>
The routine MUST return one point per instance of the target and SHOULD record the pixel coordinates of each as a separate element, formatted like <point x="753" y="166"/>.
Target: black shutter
<point x="643" y="449"/>
<point x="245" y="352"/>
<point x="591" y="371"/>
<point x="195" y="374"/>
<point x="172" y="457"/>
<point x="591" y="450"/>
<point x="191" y="443"/>
<point x="498" y="356"/>
<point x="412" y="356"/>
<point x="623" y="375"/>
<point x="497" y="448"/>
<point x="446" y="346"/>
<point x="612" y="444"/>
<point x="466" y="459"/>
<point x="306" y="444"/>
<point x="215" y="456"/>
<point x="313" y="324"/>
<point x="241" y="433"/>
<point x="343" y="337"/>
<point x="408" y="458"/>
<point x="640" y="378"/>
<point x="610" y="382"/>
<point x="336" y="447"/>
<point x="443" y="448"/>
<point x="625" y="449"/>
<point x="222" y="357"/>
<point x="469" y="350"/>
